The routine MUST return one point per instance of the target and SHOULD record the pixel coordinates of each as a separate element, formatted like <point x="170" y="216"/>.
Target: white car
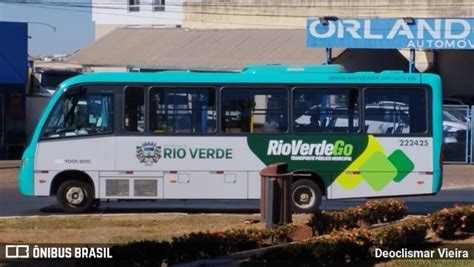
<point x="451" y="127"/>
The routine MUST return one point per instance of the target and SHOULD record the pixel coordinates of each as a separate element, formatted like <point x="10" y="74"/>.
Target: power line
<point x="139" y="16"/>
<point x="110" y="5"/>
<point x="75" y="8"/>
<point x="201" y="4"/>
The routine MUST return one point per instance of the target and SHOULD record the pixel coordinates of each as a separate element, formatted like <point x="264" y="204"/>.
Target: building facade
<point x="110" y="15"/>
<point x="293" y="14"/>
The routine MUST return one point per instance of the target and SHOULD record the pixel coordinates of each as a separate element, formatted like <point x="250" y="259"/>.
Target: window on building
<point x="133" y="5"/>
<point x="395" y="110"/>
<point x="325" y="110"/>
<point x="183" y="110"/>
<point x="134" y="109"/>
<point x="80" y="114"/>
<point x="252" y="110"/>
<point x="158" y="5"/>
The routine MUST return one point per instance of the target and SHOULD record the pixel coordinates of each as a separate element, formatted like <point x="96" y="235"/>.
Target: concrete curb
<point x="454" y="187"/>
<point x="92" y="215"/>
<point x="9" y="164"/>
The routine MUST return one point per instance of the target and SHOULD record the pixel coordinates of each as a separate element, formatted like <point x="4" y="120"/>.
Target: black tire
<point x="75" y="196"/>
<point x="306" y="196"/>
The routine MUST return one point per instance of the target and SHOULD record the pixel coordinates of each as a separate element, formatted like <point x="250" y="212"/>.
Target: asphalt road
<point x="12" y="203"/>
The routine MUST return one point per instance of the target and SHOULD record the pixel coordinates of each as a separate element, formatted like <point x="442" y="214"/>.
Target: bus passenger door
<point x="135" y="175"/>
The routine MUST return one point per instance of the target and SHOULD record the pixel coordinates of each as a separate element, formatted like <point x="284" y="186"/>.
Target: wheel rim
<point x="304" y="197"/>
<point x="75" y="195"/>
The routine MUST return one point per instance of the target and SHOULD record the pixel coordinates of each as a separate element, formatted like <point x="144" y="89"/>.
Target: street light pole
<point x="42" y="23"/>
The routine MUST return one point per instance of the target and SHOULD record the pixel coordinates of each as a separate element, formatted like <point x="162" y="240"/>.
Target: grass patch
<point x="116" y="228"/>
<point x="426" y="263"/>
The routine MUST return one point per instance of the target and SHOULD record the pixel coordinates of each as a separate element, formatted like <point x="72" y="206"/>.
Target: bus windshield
<point x="80" y="114"/>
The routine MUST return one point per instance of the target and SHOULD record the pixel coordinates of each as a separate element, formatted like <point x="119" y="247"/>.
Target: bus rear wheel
<point x="75" y="196"/>
<point x="306" y="196"/>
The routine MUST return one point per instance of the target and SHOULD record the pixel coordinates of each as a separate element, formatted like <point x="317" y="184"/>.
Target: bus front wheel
<point x="75" y="196"/>
<point x="306" y="196"/>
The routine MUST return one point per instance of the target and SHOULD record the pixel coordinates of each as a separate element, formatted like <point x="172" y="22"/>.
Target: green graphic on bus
<point x="375" y="168"/>
<point x="396" y="167"/>
<point x="347" y="160"/>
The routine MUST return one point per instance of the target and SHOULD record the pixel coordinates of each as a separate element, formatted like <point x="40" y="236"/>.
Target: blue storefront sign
<point x="391" y="33"/>
<point x="13" y="80"/>
<point x="13" y="52"/>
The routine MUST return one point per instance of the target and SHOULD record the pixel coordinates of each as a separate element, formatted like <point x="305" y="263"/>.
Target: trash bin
<point x="275" y="195"/>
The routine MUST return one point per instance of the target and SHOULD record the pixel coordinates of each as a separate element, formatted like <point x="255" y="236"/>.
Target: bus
<point x="206" y="135"/>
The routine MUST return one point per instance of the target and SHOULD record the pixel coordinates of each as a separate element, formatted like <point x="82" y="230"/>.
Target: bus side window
<point x="319" y="110"/>
<point x="254" y="110"/>
<point x="395" y="110"/>
<point x="182" y="110"/>
<point x="134" y="109"/>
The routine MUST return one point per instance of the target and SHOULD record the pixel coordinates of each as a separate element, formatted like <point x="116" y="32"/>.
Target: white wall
<point x="293" y="14"/>
<point x="116" y="12"/>
<point x="108" y="69"/>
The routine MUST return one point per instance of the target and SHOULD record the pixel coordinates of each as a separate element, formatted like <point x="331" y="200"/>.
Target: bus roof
<point x="331" y="74"/>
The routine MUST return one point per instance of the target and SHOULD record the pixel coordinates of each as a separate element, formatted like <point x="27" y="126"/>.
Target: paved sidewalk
<point x="458" y="175"/>
<point x="6" y="164"/>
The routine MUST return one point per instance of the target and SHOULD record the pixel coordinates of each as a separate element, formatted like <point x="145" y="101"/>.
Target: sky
<point x="74" y="26"/>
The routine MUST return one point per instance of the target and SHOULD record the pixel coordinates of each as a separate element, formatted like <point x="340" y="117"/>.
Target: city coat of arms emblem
<point x="148" y="153"/>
